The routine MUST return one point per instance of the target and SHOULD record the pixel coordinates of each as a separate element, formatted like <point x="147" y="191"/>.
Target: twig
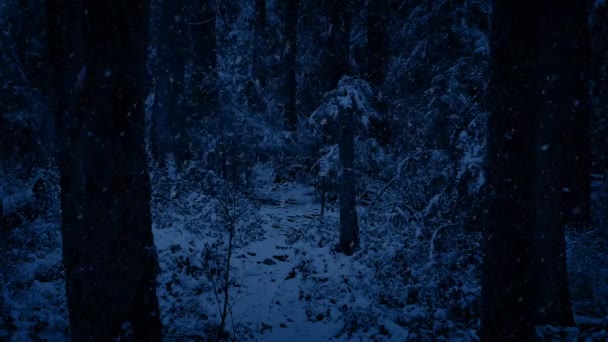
<point x="202" y="22"/>
<point x="382" y="192"/>
<point x="432" y="242"/>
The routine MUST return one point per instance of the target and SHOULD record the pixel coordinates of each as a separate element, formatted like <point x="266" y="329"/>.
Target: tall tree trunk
<point x="98" y="54"/>
<point x="168" y="134"/>
<point x="349" y="226"/>
<point x="567" y="27"/>
<point x="203" y="44"/>
<point x="258" y="63"/>
<point x="524" y="278"/>
<point x="338" y="42"/>
<point x="599" y="121"/>
<point x="562" y="151"/>
<point x="507" y="249"/>
<point x="337" y="66"/>
<point x="260" y="37"/>
<point x="290" y="10"/>
<point x="377" y="63"/>
<point x="599" y="34"/>
<point x="202" y="90"/>
<point x="377" y="41"/>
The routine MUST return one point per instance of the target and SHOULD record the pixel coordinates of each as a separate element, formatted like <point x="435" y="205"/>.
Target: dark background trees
<point x="375" y="111"/>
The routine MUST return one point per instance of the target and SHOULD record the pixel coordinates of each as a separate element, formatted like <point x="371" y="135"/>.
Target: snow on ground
<point x="270" y="296"/>
<point x="32" y="296"/>
<point x="287" y="282"/>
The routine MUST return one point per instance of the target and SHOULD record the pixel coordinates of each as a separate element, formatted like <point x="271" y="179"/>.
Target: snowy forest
<point x="303" y="170"/>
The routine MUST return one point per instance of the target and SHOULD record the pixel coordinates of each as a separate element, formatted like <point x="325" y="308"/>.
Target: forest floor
<point x="271" y="272"/>
<point x="287" y="282"/>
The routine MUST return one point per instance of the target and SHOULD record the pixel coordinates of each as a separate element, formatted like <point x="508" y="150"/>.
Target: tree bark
<point x="507" y="250"/>
<point x="203" y="44"/>
<point x="562" y="151"/>
<point x="98" y="54"/>
<point x="568" y="44"/>
<point x="338" y="43"/>
<point x="168" y="134"/>
<point x="599" y="33"/>
<point x="377" y="41"/>
<point x="260" y="36"/>
<point x="338" y="65"/>
<point x="524" y="278"/>
<point x="290" y="9"/>
<point x="258" y="63"/>
<point x="349" y="227"/>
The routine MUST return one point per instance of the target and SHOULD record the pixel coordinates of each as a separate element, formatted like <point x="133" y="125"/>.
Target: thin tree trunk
<point x="377" y="41"/>
<point x="261" y="36"/>
<point x="290" y="8"/>
<point x="98" y="55"/>
<point x="337" y="66"/>
<point x="202" y="91"/>
<point x="168" y="131"/>
<point x="349" y="226"/>
<point x="338" y="43"/>
<point x="203" y="44"/>
<point x="258" y="64"/>
<point x="377" y="63"/>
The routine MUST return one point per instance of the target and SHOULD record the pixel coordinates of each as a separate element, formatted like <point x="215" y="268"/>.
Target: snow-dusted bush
<point x="191" y="232"/>
<point x="588" y="271"/>
<point x="355" y="96"/>
<point x="32" y="288"/>
<point x="352" y="94"/>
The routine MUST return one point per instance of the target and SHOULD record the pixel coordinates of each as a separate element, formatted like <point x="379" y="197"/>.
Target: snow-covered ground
<point x="269" y="296"/>
<point x="286" y="281"/>
<point x="273" y="278"/>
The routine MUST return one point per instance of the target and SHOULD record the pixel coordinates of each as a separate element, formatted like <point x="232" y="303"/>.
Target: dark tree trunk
<point x="338" y="65"/>
<point x="506" y="292"/>
<point x="567" y="26"/>
<point x="202" y="91"/>
<point x="313" y="27"/>
<point x="599" y="120"/>
<point x="260" y="44"/>
<point x="377" y="41"/>
<point x="290" y="12"/>
<point x="377" y="63"/>
<point x="599" y="34"/>
<point x="524" y="278"/>
<point x="98" y="54"/>
<point x="258" y="63"/>
<point x="506" y="246"/>
<point x="562" y="151"/>
<point x="349" y="227"/>
<point x="168" y="134"/>
<point x="338" y="43"/>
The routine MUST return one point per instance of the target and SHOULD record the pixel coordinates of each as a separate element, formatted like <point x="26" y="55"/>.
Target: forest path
<point x="267" y="299"/>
